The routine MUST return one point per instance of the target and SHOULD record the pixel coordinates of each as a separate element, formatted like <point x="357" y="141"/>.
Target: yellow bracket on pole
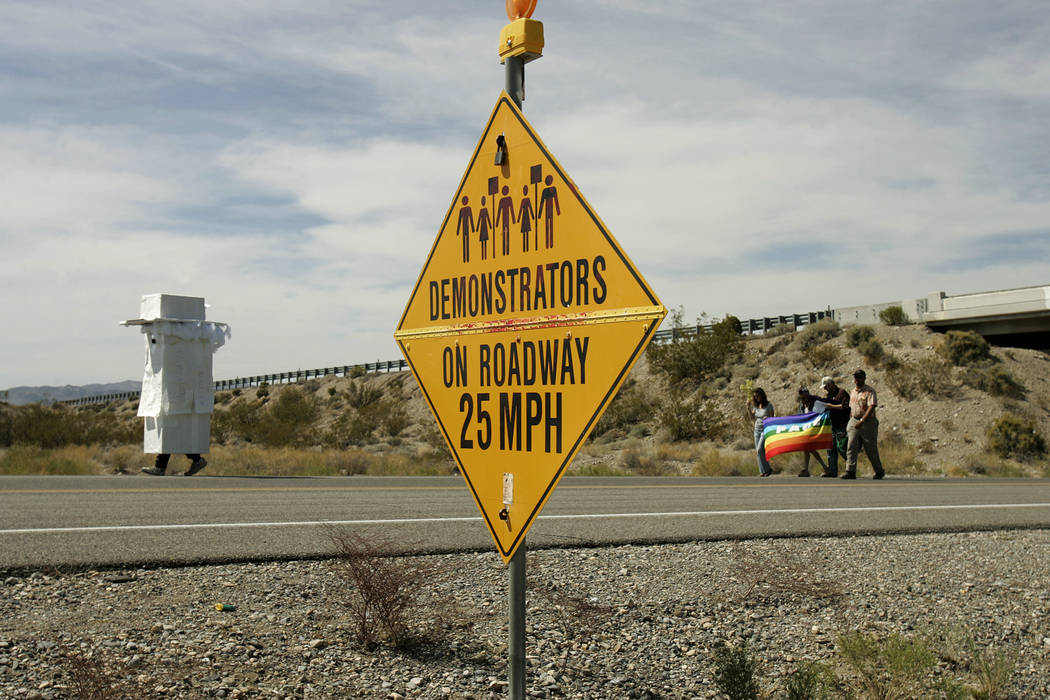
<point x="522" y="37"/>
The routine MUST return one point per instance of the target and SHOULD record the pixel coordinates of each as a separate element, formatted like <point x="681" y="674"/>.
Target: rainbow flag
<point x="802" y="433"/>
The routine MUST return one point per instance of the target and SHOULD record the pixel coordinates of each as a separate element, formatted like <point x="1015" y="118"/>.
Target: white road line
<point x="585" y="516"/>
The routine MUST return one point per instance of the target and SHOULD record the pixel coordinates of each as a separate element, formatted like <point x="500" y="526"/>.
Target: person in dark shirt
<point x="837" y="400"/>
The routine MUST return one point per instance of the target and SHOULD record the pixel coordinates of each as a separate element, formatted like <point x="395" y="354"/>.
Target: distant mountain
<point x="18" y="395"/>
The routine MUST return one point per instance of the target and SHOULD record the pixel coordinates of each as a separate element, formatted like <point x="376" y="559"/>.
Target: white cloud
<point x="292" y="161"/>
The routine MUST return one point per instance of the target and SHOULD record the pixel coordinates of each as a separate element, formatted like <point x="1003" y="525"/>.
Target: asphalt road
<point x="58" y="521"/>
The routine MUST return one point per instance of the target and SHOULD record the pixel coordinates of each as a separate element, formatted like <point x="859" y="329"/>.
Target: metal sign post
<point x="516" y="582"/>
<point x="525" y="321"/>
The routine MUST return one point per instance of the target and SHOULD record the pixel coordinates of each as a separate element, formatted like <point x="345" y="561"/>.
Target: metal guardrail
<point x="299" y="375"/>
<point x="750" y="326"/>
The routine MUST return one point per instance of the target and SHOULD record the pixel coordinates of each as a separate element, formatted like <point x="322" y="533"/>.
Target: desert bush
<point x="235" y="392"/>
<point x="887" y="669"/>
<point x="385" y="591"/>
<point x="817" y="333"/>
<point x="238" y="421"/>
<point x="100" y="676"/>
<point x="287" y="419"/>
<point x="332" y="391"/>
<point x="991" y="671"/>
<point x="995" y="380"/>
<point x="223" y="397"/>
<point x="641" y="463"/>
<point x="811" y="681"/>
<point x="353" y="427"/>
<point x="695" y="418"/>
<point x="855" y="335"/>
<point x="821" y="356"/>
<point x="629" y="407"/>
<point x="1015" y="437"/>
<point x="59" y="425"/>
<point x="359" y="394"/>
<point x="263" y="391"/>
<point x="735" y="671"/>
<point x="965" y="349"/>
<point x="698" y="358"/>
<point x="771" y="575"/>
<point x="928" y="376"/>
<point x="714" y="462"/>
<point x="893" y="316"/>
<point x="575" y="615"/>
<point x="872" y="350"/>
<point x="6" y="423"/>
<point x="395" y="421"/>
<point x="356" y="372"/>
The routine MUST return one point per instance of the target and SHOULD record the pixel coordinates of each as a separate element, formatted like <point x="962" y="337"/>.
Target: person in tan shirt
<point x="863" y="427"/>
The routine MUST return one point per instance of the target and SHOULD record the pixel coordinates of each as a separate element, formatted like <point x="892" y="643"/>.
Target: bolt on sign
<point x="525" y="321"/>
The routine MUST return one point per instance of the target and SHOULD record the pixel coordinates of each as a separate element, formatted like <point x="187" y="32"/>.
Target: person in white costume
<point x="177" y="386"/>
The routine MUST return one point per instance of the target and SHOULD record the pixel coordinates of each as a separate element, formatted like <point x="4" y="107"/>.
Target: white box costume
<point x="178" y="391"/>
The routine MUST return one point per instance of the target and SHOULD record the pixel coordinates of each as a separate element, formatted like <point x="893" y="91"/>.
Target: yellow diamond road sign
<point x="524" y="322"/>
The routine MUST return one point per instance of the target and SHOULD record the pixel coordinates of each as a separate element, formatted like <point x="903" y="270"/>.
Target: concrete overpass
<point x="1016" y="317"/>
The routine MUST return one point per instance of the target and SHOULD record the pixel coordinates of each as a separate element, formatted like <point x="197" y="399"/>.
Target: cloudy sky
<point x="291" y="161"/>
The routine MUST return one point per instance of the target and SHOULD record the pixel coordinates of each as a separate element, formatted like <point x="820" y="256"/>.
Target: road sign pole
<point x="516" y="666"/>
<point x="515" y="85"/>
<point x="515" y="78"/>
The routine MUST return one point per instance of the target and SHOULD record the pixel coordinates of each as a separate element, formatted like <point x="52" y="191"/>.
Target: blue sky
<point x="292" y="161"/>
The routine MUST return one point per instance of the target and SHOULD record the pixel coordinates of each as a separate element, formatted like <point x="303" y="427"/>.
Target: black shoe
<point x="878" y="475"/>
<point x="829" y="475"/>
<point x="804" y="472"/>
<point x="766" y="474"/>
<point x="153" y="471"/>
<point x="849" y="475"/>
<point x="195" y="466"/>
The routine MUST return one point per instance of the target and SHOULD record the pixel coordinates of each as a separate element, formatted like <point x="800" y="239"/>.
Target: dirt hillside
<point x="932" y="420"/>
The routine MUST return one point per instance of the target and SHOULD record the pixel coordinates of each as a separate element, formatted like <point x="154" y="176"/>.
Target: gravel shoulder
<point x="614" y="622"/>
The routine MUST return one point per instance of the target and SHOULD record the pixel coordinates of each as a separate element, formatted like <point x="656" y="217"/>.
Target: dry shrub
<point x="894" y="316"/>
<point x="644" y="464"/>
<point x="695" y="418"/>
<point x="1016" y="437"/>
<point x="385" y="591"/>
<point x="898" y="457"/>
<point x="71" y="459"/>
<point x="929" y="376"/>
<point x="630" y="407"/>
<point x="575" y="615"/>
<point x="816" y="334"/>
<point x="894" y="668"/>
<point x="994" y="380"/>
<point x="821" y="356"/>
<point x="769" y="575"/>
<point x="855" y="335"/>
<point x="965" y="349"/>
<point x="99" y="677"/>
<point x="871" y="350"/>
<point x="715" y="462"/>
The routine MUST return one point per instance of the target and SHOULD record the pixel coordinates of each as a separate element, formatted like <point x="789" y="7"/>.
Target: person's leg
<point x="852" y="450"/>
<point x="196" y="464"/>
<point x="160" y="464"/>
<point x="871" y="446"/>
<point x="763" y="463"/>
<point x="805" y="464"/>
<point x="833" y="458"/>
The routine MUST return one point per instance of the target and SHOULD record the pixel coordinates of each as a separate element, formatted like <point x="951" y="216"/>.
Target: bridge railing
<point x="294" y="377"/>
<point x="750" y="326"/>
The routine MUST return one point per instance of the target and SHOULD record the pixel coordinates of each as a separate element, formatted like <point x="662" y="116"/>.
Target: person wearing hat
<point x="837" y="401"/>
<point x="863" y="427"/>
